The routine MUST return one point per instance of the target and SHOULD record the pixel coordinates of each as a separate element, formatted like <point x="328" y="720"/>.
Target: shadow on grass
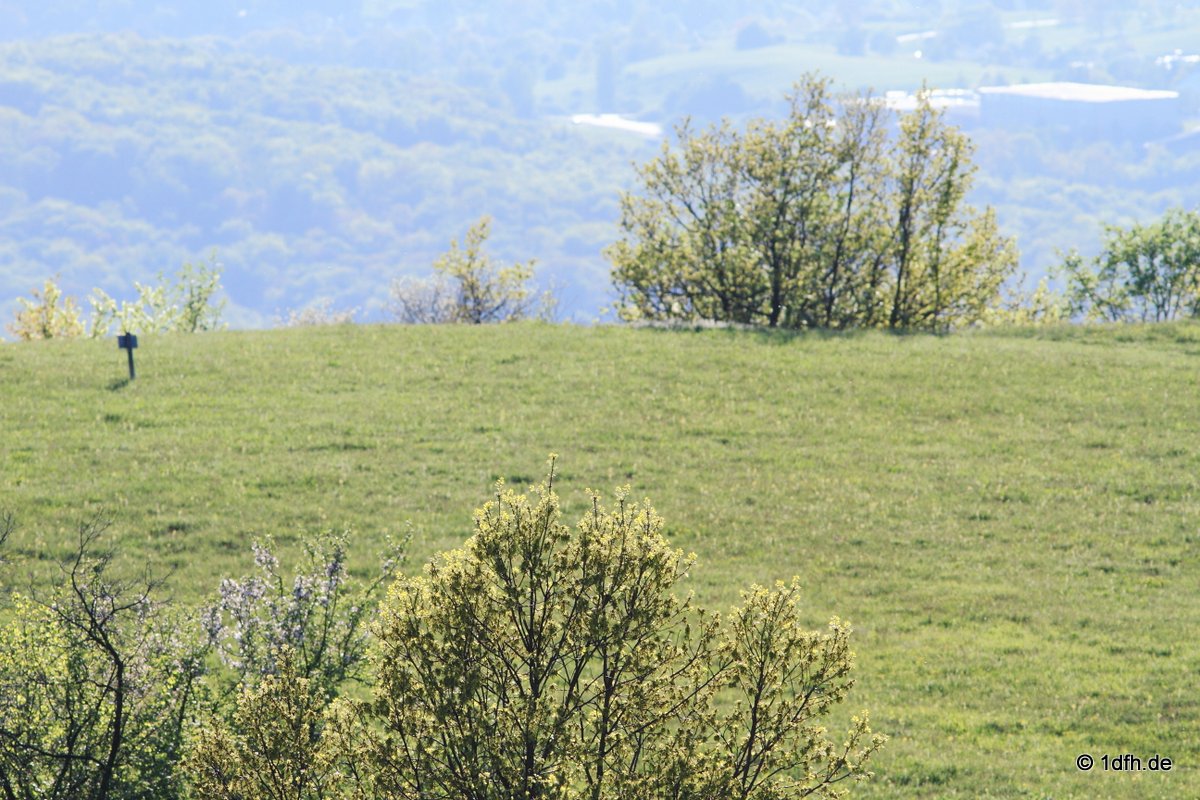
<point x="118" y="384"/>
<point x="781" y="336"/>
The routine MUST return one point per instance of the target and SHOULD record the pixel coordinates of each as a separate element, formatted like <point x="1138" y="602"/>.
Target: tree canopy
<point x="823" y="219"/>
<point x="543" y="662"/>
<point x="1145" y="273"/>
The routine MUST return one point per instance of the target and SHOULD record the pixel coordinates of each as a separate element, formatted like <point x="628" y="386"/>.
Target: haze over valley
<point x="321" y="150"/>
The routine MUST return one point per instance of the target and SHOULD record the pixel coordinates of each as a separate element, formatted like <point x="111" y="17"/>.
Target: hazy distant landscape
<point x="321" y="150"/>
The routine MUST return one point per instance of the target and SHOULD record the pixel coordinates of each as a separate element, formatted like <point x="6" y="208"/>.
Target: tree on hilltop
<point x="1145" y="273"/>
<point x="820" y="220"/>
<point x="469" y="287"/>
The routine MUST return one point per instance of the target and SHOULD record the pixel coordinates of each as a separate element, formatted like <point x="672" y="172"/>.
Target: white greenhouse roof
<point x="1080" y="92"/>
<point x="620" y="123"/>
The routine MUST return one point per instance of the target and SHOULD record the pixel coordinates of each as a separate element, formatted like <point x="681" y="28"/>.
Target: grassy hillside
<point x="1010" y="520"/>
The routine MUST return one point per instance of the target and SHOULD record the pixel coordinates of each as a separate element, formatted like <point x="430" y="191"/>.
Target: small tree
<point x="468" y="287"/>
<point x="946" y="263"/>
<point x="541" y="662"/>
<point x="484" y="291"/>
<point x="194" y="289"/>
<point x="422" y="301"/>
<point x="49" y="315"/>
<point x="1145" y="273"/>
<point x="183" y="306"/>
<point x="820" y="220"/>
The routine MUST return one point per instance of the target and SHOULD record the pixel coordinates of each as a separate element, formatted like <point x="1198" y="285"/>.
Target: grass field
<point x="1011" y="520"/>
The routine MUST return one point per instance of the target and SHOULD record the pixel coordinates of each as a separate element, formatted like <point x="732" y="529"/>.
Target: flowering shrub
<point x="541" y="662"/>
<point x="320" y="313"/>
<point x="185" y="305"/>
<point x="273" y="749"/>
<point x="318" y="613"/>
<point x="537" y="662"/>
<point x="182" y="306"/>
<point x="49" y="315"/>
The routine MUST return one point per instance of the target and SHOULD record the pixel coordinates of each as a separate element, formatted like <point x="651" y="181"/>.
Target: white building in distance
<point x="959" y="106"/>
<point x="1083" y="111"/>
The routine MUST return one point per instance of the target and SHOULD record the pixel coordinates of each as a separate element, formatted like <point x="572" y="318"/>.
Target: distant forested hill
<point x="322" y="149"/>
<point x="121" y="156"/>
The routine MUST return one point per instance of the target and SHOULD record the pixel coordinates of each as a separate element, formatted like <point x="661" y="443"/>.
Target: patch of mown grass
<point x="1009" y="518"/>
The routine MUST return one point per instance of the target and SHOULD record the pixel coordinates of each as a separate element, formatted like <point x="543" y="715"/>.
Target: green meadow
<point x="1011" y="520"/>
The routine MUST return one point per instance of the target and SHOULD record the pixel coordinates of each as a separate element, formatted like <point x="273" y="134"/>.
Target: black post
<point x="127" y="341"/>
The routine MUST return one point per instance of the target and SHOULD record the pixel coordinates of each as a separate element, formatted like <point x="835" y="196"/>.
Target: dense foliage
<point x="820" y="220"/>
<point x="536" y="662"/>
<point x="102" y="683"/>
<point x="122" y="156"/>
<point x="1145" y="273"/>
<point x="186" y="304"/>
<point x="97" y="683"/>
<point x="539" y="662"/>
<point x="272" y="747"/>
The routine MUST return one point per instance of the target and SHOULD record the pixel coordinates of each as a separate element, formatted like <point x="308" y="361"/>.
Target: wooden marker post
<point x="127" y="342"/>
